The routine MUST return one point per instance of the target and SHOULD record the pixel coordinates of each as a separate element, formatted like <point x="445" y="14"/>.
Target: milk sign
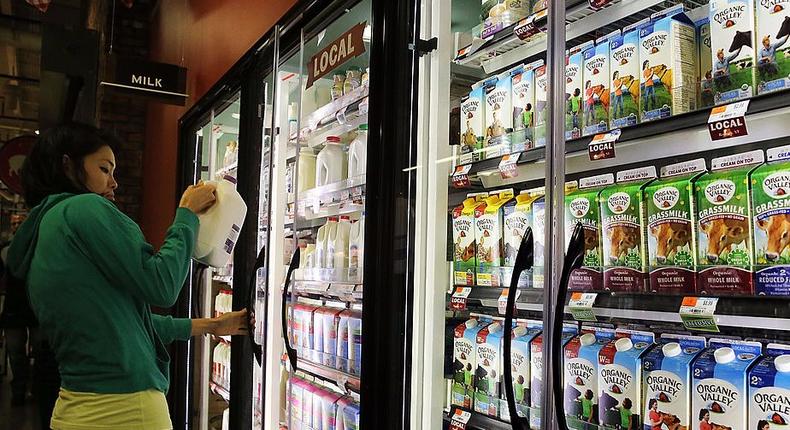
<point x="342" y="49"/>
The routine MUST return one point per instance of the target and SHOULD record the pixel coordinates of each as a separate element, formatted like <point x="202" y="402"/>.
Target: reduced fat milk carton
<point x="725" y="225"/>
<point x="720" y="393"/>
<point x="489" y="220"/>
<point x="769" y="389"/>
<point x="596" y="86"/>
<point x="465" y="361"/>
<point x="518" y="216"/>
<point x="624" y="67"/>
<point x="771" y="203"/>
<point x="464" y="244"/>
<point x="732" y="49"/>
<point x="623" y="229"/>
<point x="705" y="63"/>
<point x="672" y="256"/>
<point x="773" y="30"/>
<point x="536" y="370"/>
<point x="541" y="104"/>
<point x="581" y="376"/>
<point x="499" y="116"/>
<point x="620" y="379"/>
<point x="581" y="206"/>
<point x="539" y="237"/>
<point x="667" y="381"/>
<point x="523" y="335"/>
<point x="488" y="372"/>
<point x="574" y="64"/>
<point x="524" y="107"/>
<point x="472" y="123"/>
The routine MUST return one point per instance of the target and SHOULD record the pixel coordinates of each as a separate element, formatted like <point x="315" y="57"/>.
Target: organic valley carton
<point x="524" y="107"/>
<point x="539" y="236"/>
<point x="518" y="216"/>
<point x="581" y="206"/>
<point x="623" y="231"/>
<point x="465" y="361"/>
<point x="624" y="68"/>
<point x="705" y="63"/>
<point x="771" y="210"/>
<point x="541" y="104"/>
<point x="724" y="238"/>
<point x="620" y="379"/>
<point x="472" y="123"/>
<point x="349" y="342"/>
<point x="720" y="393"/>
<point x="499" y="115"/>
<point x="523" y="335"/>
<point x="773" y="30"/>
<point x="574" y="62"/>
<point x="769" y="389"/>
<point x="732" y="49"/>
<point x="488" y="373"/>
<point x="464" y="244"/>
<point x="666" y="370"/>
<point x="536" y="370"/>
<point x="671" y="217"/>
<point x="581" y="376"/>
<point x="596" y="86"/>
<point x="489" y="220"/>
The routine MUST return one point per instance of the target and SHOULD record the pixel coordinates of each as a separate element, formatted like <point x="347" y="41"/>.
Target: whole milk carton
<point x="488" y="373"/>
<point x="581" y="376"/>
<point x="769" y="389"/>
<point x="771" y="210"/>
<point x="624" y="68"/>
<point x="464" y="243"/>
<point x="523" y="100"/>
<point x="773" y="30"/>
<point x="671" y="217"/>
<point x="666" y="370"/>
<point x="724" y="236"/>
<point x="472" y="123"/>
<point x="574" y="64"/>
<point x="499" y="115"/>
<point x="581" y="206"/>
<point x="521" y="345"/>
<point x="596" y="86"/>
<point x="489" y="220"/>
<point x="720" y="393"/>
<point x="517" y="217"/>
<point x="569" y="331"/>
<point x="620" y="379"/>
<point x="465" y="361"/>
<point x="732" y="49"/>
<point x="623" y="231"/>
<point x="541" y="104"/>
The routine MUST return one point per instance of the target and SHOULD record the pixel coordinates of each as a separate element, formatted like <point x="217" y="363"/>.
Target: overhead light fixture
<point x="37" y="132"/>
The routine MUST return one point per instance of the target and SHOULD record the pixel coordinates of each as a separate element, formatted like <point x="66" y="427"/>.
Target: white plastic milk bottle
<point x="331" y="163"/>
<point x="356" y="247"/>
<point x="220" y="225"/>
<point x="306" y="170"/>
<point x="358" y="153"/>
<point x="338" y="245"/>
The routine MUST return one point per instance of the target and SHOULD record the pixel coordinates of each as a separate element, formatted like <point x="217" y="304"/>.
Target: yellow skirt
<point x="143" y="410"/>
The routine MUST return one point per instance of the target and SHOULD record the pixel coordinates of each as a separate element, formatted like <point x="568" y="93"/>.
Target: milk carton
<point x="465" y="361"/>
<point x="721" y="383"/>
<point x="304" y="340"/>
<point x="539" y="237"/>
<point x="464" y="244"/>
<point x="523" y="79"/>
<point x="724" y="238"/>
<point x="349" y="342"/>
<point x="671" y="217"/>
<point x="623" y="231"/>
<point x="581" y="206"/>
<point x="488" y="372"/>
<point x="620" y="379"/>
<point x="326" y="328"/>
<point x="732" y="49"/>
<point x="581" y="376"/>
<point x="489" y="219"/>
<point x="541" y="104"/>
<point x="536" y="371"/>
<point x="499" y="116"/>
<point x="472" y="123"/>
<point x="574" y="64"/>
<point x="771" y="202"/>
<point x="667" y="381"/>
<point x="769" y="389"/>
<point x="596" y="86"/>
<point x="625" y="70"/>
<point x="347" y="414"/>
<point x="523" y="335"/>
<point x="518" y="216"/>
<point x="773" y="29"/>
<point x="705" y="63"/>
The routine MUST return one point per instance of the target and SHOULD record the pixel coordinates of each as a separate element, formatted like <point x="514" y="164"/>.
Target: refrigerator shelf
<point x="329" y="110"/>
<point x="220" y="391"/>
<point x="347" y="292"/>
<point x="344" y="123"/>
<point x="529" y="299"/>
<point x="224" y="279"/>
<point x="345" y="381"/>
<point x="332" y="276"/>
<point x="229" y="170"/>
<point x="477" y="421"/>
<point x="342" y="197"/>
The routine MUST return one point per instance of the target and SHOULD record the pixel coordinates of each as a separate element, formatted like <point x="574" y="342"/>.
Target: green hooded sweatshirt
<point x="91" y="280"/>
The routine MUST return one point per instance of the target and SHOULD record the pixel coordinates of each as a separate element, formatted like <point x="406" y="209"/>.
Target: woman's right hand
<point x="199" y="197"/>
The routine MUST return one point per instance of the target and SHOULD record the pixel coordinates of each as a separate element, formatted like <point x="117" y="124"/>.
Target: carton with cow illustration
<point x="541" y="104"/>
<point x="465" y="361"/>
<point x="704" y="56"/>
<point x="720" y="393"/>
<point x="624" y="67"/>
<point x="732" y="49"/>
<point x="581" y="376"/>
<point x="769" y="389"/>
<point x="569" y="332"/>
<point x="666" y="370"/>
<point x="581" y="206"/>
<point x="672" y="256"/>
<point x="499" y="115"/>
<point x="524" y="108"/>
<point x="596" y="86"/>
<point x="773" y="57"/>
<point x="488" y="373"/>
<point x="623" y="229"/>
<point x="523" y="335"/>
<point x="517" y="217"/>
<point x="620" y="379"/>
<point x="574" y="64"/>
<point x="472" y="123"/>
<point x="771" y="202"/>
<point x="464" y="244"/>
<point x="489" y="220"/>
<point x="724" y="236"/>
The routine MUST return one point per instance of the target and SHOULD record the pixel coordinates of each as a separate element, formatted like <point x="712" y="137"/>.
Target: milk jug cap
<point x="623" y="344"/>
<point x="363" y="127"/>
<point x="494" y="327"/>
<point x="587" y="339"/>
<point x="672" y="349"/>
<point x="519" y="331"/>
<point x="471" y="324"/>
<point x="782" y="363"/>
<point x="333" y="139"/>
<point x="724" y="355"/>
<point x="230" y="179"/>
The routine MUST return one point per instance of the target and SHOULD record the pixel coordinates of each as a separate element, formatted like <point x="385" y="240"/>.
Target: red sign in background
<point x="12" y="157"/>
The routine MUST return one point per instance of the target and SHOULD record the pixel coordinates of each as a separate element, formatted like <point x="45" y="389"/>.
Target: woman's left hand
<point x="231" y="324"/>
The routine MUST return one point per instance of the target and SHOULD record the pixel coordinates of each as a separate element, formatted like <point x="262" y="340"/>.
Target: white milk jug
<point x="358" y="153"/>
<point x="330" y="163"/>
<point x="322" y="244"/>
<point x="356" y="246"/>
<point x="306" y="170"/>
<point x="338" y="245"/>
<point x="220" y="225"/>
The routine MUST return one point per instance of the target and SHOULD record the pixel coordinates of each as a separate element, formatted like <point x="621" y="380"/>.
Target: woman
<point x="704" y="420"/>
<point x="92" y="279"/>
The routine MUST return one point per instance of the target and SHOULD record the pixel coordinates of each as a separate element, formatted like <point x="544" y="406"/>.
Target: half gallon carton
<point x="671" y="217"/>
<point x="769" y="389"/>
<point x="732" y="49"/>
<point x="349" y="342"/>
<point x="348" y="414"/>
<point x="773" y="30"/>
<point x="465" y="361"/>
<point x="623" y="228"/>
<point x="574" y="64"/>
<point x="489" y="370"/>
<point x="569" y="331"/>
<point x="596" y="86"/>
<point x="523" y="79"/>
<point x="326" y="324"/>
<point x="721" y="383"/>
<point x="581" y="376"/>
<point x="464" y="243"/>
<point x="770" y="185"/>
<point x="725" y="225"/>
<point x="620" y="379"/>
<point x="581" y="206"/>
<point x="624" y="67"/>
<point x="472" y="124"/>
<point x="518" y="216"/>
<point x="667" y="381"/>
<point x="705" y="63"/>
<point x="489" y="221"/>
<point x="539" y="236"/>
<point x="541" y="105"/>
<point x="499" y="116"/>
<point x="523" y="335"/>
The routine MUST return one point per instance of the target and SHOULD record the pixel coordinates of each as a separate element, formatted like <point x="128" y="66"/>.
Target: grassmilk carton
<point x="472" y="123"/>
<point x="720" y="393"/>
<point x="581" y="376"/>
<point x="541" y="104"/>
<point x="488" y="373"/>
<point x="465" y="361"/>
<point x="770" y="185"/>
<point x="724" y="236"/>
<point x="464" y="244"/>
<point x="773" y="30"/>
<point x="596" y="86"/>
<point x="667" y="383"/>
<point x="623" y="227"/>
<point x="523" y="335"/>
<point x="489" y="220"/>
<point x="536" y="369"/>
<point x="517" y="217"/>
<point x="499" y="116"/>
<point x="705" y="56"/>
<point x="581" y="206"/>
<point x="620" y="379"/>
<point x="732" y="49"/>
<point x="769" y="389"/>
<point x="574" y="64"/>
<point x="523" y="79"/>
<point x="539" y="237"/>
<point x="624" y="68"/>
<point x="671" y="217"/>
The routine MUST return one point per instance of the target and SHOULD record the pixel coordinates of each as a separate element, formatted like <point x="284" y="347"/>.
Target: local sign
<point x="349" y="45"/>
<point x="166" y="82"/>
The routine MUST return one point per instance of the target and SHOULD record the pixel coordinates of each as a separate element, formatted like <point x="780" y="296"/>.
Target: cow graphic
<point x="669" y="237"/>
<point x="777" y="230"/>
<point x="722" y="234"/>
<point x="621" y="239"/>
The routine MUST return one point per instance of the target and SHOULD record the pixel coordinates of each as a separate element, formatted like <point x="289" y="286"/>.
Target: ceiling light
<point x="37" y="132"/>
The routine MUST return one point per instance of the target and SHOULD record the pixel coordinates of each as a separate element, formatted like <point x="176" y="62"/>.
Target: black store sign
<point x="166" y="82"/>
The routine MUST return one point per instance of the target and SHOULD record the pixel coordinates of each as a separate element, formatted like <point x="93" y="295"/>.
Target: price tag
<point x="459" y="420"/>
<point x="461" y="176"/>
<point x="728" y="121"/>
<point x="507" y="167"/>
<point x="344" y="195"/>
<point x="697" y="313"/>
<point x="502" y="302"/>
<point x="458" y="300"/>
<point x="581" y="306"/>
<point x="602" y="145"/>
<point x="598" y="4"/>
<point x="530" y="26"/>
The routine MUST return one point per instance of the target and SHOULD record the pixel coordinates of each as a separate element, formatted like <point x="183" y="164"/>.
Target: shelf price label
<point x="581" y="306"/>
<point x="461" y="176"/>
<point x="728" y="121"/>
<point x="598" y="4"/>
<point x="459" y="420"/>
<point x="458" y="300"/>
<point x="507" y="167"/>
<point x="602" y="145"/>
<point x="697" y="313"/>
<point x="502" y="302"/>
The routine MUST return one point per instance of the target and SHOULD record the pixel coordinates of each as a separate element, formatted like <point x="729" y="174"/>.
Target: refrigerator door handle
<point x="260" y="263"/>
<point x="524" y="261"/>
<point x="573" y="260"/>
<point x="292" y="358"/>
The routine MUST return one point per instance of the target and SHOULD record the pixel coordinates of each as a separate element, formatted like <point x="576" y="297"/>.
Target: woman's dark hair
<point x="44" y="171"/>
<point x="651" y="403"/>
<point x="627" y="403"/>
<point x="761" y="425"/>
<point x="702" y="413"/>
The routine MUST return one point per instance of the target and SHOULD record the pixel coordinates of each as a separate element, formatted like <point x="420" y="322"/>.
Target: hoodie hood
<point x="23" y="246"/>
